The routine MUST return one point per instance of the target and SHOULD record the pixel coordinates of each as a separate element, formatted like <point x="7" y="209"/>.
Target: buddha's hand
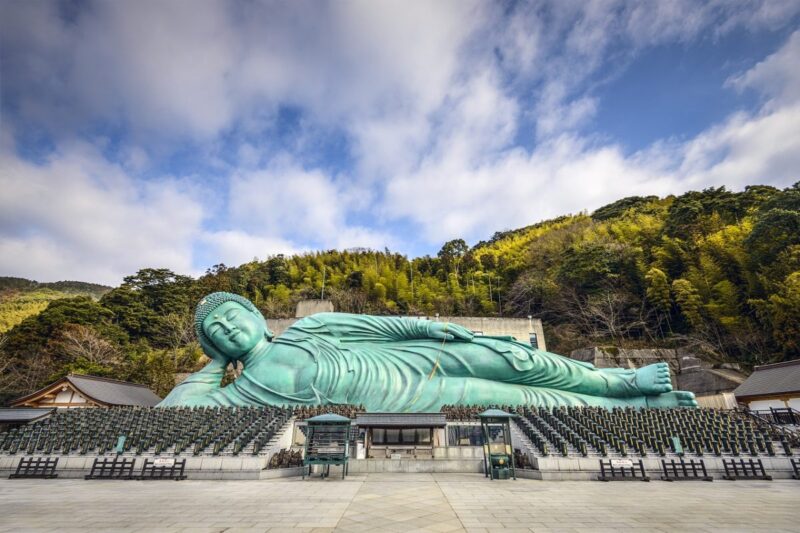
<point x="449" y="332"/>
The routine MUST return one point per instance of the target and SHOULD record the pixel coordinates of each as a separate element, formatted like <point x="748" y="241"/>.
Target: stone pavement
<point x="397" y="502"/>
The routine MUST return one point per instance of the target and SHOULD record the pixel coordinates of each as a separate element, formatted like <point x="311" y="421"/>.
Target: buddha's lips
<point x="233" y="335"/>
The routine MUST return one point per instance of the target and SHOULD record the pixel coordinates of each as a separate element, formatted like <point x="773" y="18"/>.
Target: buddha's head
<point x="229" y="325"/>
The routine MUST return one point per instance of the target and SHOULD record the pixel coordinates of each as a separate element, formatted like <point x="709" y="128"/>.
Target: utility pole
<point x="499" y="302"/>
<point x="323" y="283"/>
<point x="411" y="274"/>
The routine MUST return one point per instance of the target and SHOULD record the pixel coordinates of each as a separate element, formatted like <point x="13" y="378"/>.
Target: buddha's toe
<point x="654" y="379"/>
<point x="685" y="398"/>
<point x="672" y="399"/>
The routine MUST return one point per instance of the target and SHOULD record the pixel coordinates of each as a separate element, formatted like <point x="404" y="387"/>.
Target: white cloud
<point x="77" y="216"/>
<point x="471" y="193"/>
<point x="287" y="202"/>
<point x="234" y="247"/>
<point x="777" y="76"/>
<point x="431" y="100"/>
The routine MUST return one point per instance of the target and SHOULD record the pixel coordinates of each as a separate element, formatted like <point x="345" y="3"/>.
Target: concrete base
<point x="544" y="468"/>
<point x="279" y="473"/>
<point x="573" y="469"/>
<point x="214" y="467"/>
<point x="458" y="452"/>
<point x="363" y="466"/>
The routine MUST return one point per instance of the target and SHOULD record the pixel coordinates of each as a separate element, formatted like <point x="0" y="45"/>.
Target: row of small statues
<point x="469" y="412"/>
<point x="286" y="459"/>
<point x="309" y="411"/>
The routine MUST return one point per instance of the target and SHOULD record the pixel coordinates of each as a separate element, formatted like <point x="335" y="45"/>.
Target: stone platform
<point x="396" y="502"/>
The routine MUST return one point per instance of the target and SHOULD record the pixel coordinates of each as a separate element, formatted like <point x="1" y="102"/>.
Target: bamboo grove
<point x="714" y="271"/>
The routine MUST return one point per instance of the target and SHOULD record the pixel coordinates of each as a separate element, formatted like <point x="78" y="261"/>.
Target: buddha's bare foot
<point x="620" y="371"/>
<point x="678" y="398"/>
<point x="653" y="379"/>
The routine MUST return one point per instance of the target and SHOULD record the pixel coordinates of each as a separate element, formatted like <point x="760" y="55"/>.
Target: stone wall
<point x="310" y="307"/>
<point x="689" y="372"/>
<point x="519" y="328"/>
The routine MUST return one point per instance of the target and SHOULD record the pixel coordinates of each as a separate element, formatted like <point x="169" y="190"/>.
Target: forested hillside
<point x="715" y="270"/>
<point x="21" y="298"/>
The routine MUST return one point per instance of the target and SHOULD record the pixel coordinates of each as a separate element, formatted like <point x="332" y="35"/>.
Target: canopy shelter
<point x="498" y="453"/>
<point x="327" y="443"/>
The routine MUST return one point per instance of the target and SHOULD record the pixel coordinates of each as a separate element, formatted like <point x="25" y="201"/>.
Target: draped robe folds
<point x="391" y="364"/>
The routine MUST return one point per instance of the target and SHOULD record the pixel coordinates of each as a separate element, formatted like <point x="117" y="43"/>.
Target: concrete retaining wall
<point x="519" y="328"/>
<point x="363" y="466"/>
<point x="75" y="467"/>
<point x="549" y="468"/>
<point x="570" y="468"/>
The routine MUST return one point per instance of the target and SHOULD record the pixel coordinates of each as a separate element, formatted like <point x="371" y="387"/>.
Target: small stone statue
<point x="396" y="364"/>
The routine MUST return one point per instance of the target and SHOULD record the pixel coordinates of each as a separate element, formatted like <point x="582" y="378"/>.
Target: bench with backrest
<point x="163" y="469"/>
<point x="622" y="470"/>
<point x="683" y="470"/>
<point x="744" y="469"/>
<point x="36" y="467"/>
<point x="112" y="468"/>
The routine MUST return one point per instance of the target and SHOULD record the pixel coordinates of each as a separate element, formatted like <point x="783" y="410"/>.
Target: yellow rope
<point x="435" y="366"/>
<point x="438" y="355"/>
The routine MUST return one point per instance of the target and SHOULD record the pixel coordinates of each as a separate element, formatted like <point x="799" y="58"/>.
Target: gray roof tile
<point x="114" y="392"/>
<point x="401" y="419"/>
<point x="23" y="414"/>
<point x="771" y="379"/>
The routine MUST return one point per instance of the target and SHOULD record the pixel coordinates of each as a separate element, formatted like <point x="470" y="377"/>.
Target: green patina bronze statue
<point x="396" y="364"/>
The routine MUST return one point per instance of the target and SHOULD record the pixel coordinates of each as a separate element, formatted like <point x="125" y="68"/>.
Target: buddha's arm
<point x="364" y="328"/>
<point x="193" y="389"/>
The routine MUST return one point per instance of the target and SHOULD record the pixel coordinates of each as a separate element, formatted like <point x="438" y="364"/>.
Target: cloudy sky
<point x="181" y="134"/>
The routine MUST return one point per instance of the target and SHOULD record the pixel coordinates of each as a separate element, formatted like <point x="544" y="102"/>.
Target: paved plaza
<point x="397" y="502"/>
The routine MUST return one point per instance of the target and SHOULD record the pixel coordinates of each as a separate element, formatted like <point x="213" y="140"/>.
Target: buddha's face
<point x="233" y="329"/>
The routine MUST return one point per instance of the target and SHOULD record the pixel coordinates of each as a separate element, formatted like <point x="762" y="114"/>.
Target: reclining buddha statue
<point x="395" y="364"/>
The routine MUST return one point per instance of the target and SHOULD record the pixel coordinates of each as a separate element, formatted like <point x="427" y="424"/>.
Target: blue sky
<point x="183" y="134"/>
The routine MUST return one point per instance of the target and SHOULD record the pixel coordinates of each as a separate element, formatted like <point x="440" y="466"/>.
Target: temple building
<point x="88" y="391"/>
<point x="775" y="386"/>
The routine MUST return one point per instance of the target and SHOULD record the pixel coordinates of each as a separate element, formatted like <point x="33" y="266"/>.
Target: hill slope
<point x="715" y="271"/>
<point x="21" y="298"/>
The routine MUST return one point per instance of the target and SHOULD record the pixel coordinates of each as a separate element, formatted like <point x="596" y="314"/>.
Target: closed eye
<point x="213" y="330"/>
<point x="230" y="315"/>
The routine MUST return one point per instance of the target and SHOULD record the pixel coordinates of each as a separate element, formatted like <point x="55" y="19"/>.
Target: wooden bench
<point x="622" y="470"/>
<point x="692" y="470"/>
<point x="163" y="469"/>
<point x="36" y="467"/>
<point x="112" y="468"/>
<point x="744" y="469"/>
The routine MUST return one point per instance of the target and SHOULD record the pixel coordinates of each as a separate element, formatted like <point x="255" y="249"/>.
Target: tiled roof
<point x="777" y="378"/>
<point x="114" y="392"/>
<point x="105" y="391"/>
<point x="401" y="419"/>
<point x="23" y="414"/>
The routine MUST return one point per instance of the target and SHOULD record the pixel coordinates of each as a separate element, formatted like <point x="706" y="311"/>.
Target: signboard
<point x="396" y="456"/>
<point x="163" y="461"/>
<point x="120" y="444"/>
<point x="621" y="463"/>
